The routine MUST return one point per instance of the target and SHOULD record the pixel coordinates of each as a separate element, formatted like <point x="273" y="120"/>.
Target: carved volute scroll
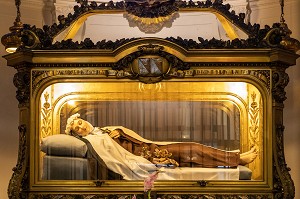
<point x="283" y="182"/>
<point x="280" y="81"/>
<point x="22" y="83"/>
<point x="19" y="182"/>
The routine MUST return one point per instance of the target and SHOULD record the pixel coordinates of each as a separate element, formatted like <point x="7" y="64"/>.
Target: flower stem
<point x="149" y="194"/>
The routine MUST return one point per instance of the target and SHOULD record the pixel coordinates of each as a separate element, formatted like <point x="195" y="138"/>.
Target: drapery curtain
<point x="212" y="123"/>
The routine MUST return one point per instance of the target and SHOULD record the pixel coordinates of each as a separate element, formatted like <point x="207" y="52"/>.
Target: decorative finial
<point x="287" y="41"/>
<point x="18" y="3"/>
<point x="12" y="40"/>
<point x="282" y="20"/>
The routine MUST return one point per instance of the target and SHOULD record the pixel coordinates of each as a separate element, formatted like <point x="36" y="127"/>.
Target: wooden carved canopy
<point x="268" y="37"/>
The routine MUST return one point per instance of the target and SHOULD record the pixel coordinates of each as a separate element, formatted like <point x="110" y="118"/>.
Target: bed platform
<point x="67" y="158"/>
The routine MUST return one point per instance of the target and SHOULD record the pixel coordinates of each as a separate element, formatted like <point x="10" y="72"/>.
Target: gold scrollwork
<point x="255" y="129"/>
<point x="254" y="122"/>
<point x="46" y="117"/>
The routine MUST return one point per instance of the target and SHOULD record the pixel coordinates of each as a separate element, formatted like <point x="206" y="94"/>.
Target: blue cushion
<point x="63" y="145"/>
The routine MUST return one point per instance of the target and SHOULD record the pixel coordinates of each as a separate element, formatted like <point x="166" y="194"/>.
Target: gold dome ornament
<point x="150" y="16"/>
<point x="151" y="25"/>
<point x="287" y="41"/>
<point x="280" y="34"/>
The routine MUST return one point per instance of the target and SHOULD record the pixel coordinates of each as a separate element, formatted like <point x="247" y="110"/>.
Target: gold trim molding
<point x="40" y="76"/>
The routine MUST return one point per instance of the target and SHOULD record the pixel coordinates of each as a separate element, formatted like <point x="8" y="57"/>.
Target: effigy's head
<point x="78" y="126"/>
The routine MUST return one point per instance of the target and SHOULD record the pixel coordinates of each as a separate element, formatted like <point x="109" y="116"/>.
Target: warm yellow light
<point x="11" y="49"/>
<point x="239" y="88"/>
<point x="71" y="103"/>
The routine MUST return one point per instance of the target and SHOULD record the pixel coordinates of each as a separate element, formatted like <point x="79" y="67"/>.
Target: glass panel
<point x="125" y="131"/>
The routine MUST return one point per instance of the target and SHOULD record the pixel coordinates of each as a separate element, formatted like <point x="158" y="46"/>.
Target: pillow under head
<point x="63" y="145"/>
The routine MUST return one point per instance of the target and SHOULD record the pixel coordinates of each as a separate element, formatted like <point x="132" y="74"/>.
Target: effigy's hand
<point x="114" y="134"/>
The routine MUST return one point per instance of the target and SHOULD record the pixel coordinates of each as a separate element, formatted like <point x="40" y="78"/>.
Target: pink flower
<point x="133" y="197"/>
<point x="149" y="181"/>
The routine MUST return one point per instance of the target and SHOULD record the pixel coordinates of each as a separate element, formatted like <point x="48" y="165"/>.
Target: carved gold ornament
<point x="46" y="117"/>
<point x="254" y="113"/>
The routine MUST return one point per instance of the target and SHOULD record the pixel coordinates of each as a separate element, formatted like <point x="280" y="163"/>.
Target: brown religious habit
<point x="182" y="154"/>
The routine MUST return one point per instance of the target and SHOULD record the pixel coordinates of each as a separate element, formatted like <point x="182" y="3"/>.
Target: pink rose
<point x="149" y="181"/>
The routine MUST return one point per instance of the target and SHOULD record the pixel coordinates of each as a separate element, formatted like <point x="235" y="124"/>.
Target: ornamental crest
<point x="150" y="66"/>
<point x="150" y="69"/>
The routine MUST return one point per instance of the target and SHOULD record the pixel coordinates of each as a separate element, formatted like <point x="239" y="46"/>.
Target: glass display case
<point x="198" y="119"/>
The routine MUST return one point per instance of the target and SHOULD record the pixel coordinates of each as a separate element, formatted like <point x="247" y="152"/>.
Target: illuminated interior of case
<point x="224" y="115"/>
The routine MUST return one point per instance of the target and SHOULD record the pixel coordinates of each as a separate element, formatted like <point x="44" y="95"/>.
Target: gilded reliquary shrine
<point x="152" y="110"/>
